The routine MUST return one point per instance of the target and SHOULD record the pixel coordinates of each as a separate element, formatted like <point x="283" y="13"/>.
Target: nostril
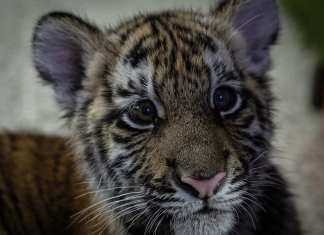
<point x="201" y="176"/>
<point x="204" y="186"/>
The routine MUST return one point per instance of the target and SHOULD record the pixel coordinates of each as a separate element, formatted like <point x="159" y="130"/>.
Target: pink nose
<point x="205" y="187"/>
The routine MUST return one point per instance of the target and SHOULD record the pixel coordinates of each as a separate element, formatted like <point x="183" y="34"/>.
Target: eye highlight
<point x="142" y="113"/>
<point x="226" y="100"/>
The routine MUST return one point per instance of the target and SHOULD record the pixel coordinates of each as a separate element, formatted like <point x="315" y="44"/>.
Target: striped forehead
<point x="174" y="54"/>
<point x="132" y="83"/>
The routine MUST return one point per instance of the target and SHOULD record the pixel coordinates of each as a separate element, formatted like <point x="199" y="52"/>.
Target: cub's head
<point x="170" y="112"/>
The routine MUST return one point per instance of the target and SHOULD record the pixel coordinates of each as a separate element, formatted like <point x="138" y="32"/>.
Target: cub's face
<point x="170" y="112"/>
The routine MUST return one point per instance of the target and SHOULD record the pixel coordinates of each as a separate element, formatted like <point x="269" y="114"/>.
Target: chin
<point x="205" y="224"/>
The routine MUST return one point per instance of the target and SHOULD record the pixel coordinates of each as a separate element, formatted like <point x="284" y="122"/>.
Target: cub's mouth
<point x="207" y="210"/>
<point x="200" y="196"/>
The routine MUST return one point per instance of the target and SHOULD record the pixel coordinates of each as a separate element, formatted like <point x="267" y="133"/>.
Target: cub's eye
<point x="226" y="100"/>
<point x="143" y="112"/>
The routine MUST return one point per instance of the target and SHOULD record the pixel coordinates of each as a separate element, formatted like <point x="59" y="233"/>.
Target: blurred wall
<point x="310" y="20"/>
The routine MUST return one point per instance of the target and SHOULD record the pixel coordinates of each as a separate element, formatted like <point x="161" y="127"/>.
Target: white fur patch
<point x="203" y="225"/>
<point x="123" y="74"/>
<point x="221" y="57"/>
<point x="115" y="150"/>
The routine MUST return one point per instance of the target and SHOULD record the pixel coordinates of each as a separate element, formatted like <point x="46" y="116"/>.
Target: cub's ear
<point x="62" y="47"/>
<point x="258" y="23"/>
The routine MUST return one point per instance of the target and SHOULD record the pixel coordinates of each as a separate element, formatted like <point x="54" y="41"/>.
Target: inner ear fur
<point x="63" y="45"/>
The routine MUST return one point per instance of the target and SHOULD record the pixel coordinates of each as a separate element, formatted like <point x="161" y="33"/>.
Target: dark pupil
<point x="224" y="98"/>
<point x="144" y="112"/>
<point x="147" y="109"/>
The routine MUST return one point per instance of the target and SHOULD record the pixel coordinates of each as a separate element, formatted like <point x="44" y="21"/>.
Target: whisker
<point x="127" y="211"/>
<point x="258" y="168"/>
<point x="248" y="213"/>
<point x="109" y="208"/>
<point x="156" y="219"/>
<point x="236" y="214"/>
<point x="160" y="221"/>
<point x="100" y="209"/>
<point x="110" y="198"/>
<point x="149" y="224"/>
<point x="124" y="212"/>
<point x="244" y="24"/>
<point x="251" y="198"/>
<point x="79" y="214"/>
<point x="141" y="214"/>
<point x="261" y="155"/>
<point x="136" y="217"/>
<point x="105" y="190"/>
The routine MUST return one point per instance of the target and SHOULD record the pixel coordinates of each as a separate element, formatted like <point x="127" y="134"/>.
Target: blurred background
<point x="25" y="104"/>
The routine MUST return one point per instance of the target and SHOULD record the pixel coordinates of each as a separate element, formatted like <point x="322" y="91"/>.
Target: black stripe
<point x="260" y="141"/>
<point x="131" y="28"/>
<point x="89" y="157"/>
<point x="110" y="117"/>
<point x="136" y="151"/>
<point x="172" y="56"/>
<point x="136" y="165"/>
<point x="100" y="137"/>
<point x="238" y="178"/>
<point x="134" y="144"/>
<point x="119" y="139"/>
<point x="100" y="141"/>
<point x="107" y="92"/>
<point x="131" y="84"/>
<point x="176" y="18"/>
<point x="158" y="188"/>
<point x="118" y="162"/>
<point x="39" y="182"/>
<point x="138" y="53"/>
<point x="193" y="37"/>
<point x="57" y="161"/>
<point x="263" y="112"/>
<point x="12" y="198"/>
<point x="33" y="210"/>
<point x="237" y="189"/>
<point x="251" y="152"/>
<point x="143" y="80"/>
<point x="4" y="223"/>
<point x="56" y="170"/>
<point x="120" y="159"/>
<point x="246" y="122"/>
<point x="122" y="92"/>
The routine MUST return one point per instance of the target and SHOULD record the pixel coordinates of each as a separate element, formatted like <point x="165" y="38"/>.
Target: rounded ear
<point x="258" y="23"/>
<point x="62" y="47"/>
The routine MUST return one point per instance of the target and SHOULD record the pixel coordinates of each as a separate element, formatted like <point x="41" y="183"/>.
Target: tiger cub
<point x="171" y="125"/>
